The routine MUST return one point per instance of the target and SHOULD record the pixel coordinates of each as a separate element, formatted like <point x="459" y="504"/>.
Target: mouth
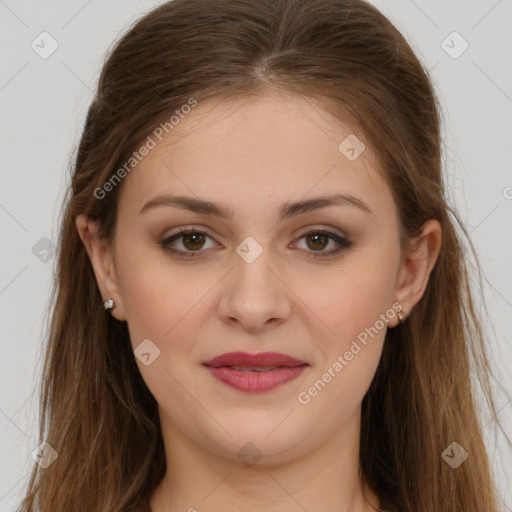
<point x="253" y="368"/>
<point x="255" y="372"/>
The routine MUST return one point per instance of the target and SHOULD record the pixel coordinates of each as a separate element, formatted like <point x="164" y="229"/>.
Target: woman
<point x="262" y="300"/>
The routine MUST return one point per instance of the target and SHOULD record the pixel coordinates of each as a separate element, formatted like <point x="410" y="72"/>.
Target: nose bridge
<point x="253" y="293"/>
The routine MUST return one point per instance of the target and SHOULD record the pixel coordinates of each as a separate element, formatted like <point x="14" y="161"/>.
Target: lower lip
<point x="256" y="382"/>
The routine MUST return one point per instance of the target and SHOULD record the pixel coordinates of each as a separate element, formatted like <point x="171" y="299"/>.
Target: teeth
<point x="254" y="368"/>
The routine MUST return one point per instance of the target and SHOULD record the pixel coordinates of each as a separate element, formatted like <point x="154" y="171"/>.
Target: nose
<point x="254" y="296"/>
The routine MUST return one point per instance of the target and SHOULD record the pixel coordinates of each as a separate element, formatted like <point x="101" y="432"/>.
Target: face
<point x="317" y="282"/>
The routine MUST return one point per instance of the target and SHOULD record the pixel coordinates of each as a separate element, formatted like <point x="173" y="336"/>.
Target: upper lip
<point x="253" y="360"/>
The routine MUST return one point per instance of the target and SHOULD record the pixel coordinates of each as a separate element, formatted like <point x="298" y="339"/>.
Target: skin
<point x="253" y="155"/>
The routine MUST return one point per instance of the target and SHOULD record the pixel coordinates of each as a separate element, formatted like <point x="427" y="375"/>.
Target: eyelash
<point x="343" y="243"/>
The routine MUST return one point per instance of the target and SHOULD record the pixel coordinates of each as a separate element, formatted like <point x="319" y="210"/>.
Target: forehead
<point x="283" y="121"/>
<point x="271" y="145"/>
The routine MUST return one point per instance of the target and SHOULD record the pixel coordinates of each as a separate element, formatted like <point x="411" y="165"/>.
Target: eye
<point x="317" y="240"/>
<point x="192" y="241"/>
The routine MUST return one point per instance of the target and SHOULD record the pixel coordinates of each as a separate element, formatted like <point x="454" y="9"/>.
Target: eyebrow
<point x="286" y="210"/>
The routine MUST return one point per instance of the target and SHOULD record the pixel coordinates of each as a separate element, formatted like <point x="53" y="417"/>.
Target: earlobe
<point x="417" y="264"/>
<point x="101" y="256"/>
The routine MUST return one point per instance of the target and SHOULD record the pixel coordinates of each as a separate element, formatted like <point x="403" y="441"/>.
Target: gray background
<point x="43" y="103"/>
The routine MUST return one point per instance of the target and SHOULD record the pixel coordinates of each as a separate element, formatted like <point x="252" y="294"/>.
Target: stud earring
<point x="109" y="304"/>
<point x="401" y="316"/>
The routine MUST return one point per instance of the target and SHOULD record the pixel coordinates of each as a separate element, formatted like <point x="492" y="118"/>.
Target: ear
<point x="417" y="264"/>
<point x="101" y="255"/>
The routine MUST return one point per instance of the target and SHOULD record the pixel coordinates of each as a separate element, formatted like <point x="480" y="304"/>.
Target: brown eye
<point x="193" y="241"/>
<point x="318" y="241"/>
<point x="187" y="242"/>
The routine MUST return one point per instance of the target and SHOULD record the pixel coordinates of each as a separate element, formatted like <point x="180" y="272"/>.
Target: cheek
<point x="156" y="295"/>
<point x="357" y="307"/>
<point x="337" y="389"/>
<point x="357" y="310"/>
<point x="150" y="279"/>
<point x="165" y="306"/>
<point x="354" y="296"/>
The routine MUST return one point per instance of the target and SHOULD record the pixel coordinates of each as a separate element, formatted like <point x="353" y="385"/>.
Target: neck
<point x="323" y="479"/>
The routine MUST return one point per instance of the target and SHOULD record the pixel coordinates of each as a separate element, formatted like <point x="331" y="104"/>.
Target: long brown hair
<point x="96" y="410"/>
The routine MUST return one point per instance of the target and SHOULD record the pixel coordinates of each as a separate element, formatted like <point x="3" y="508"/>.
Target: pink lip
<point x="289" y="369"/>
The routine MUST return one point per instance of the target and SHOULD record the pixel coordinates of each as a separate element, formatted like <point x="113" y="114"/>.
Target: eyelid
<point x="323" y="229"/>
<point x="190" y="228"/>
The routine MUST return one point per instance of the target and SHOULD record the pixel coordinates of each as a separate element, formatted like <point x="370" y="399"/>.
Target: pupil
<point x="193" y="243"/>
<point x="318" y="236"/>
